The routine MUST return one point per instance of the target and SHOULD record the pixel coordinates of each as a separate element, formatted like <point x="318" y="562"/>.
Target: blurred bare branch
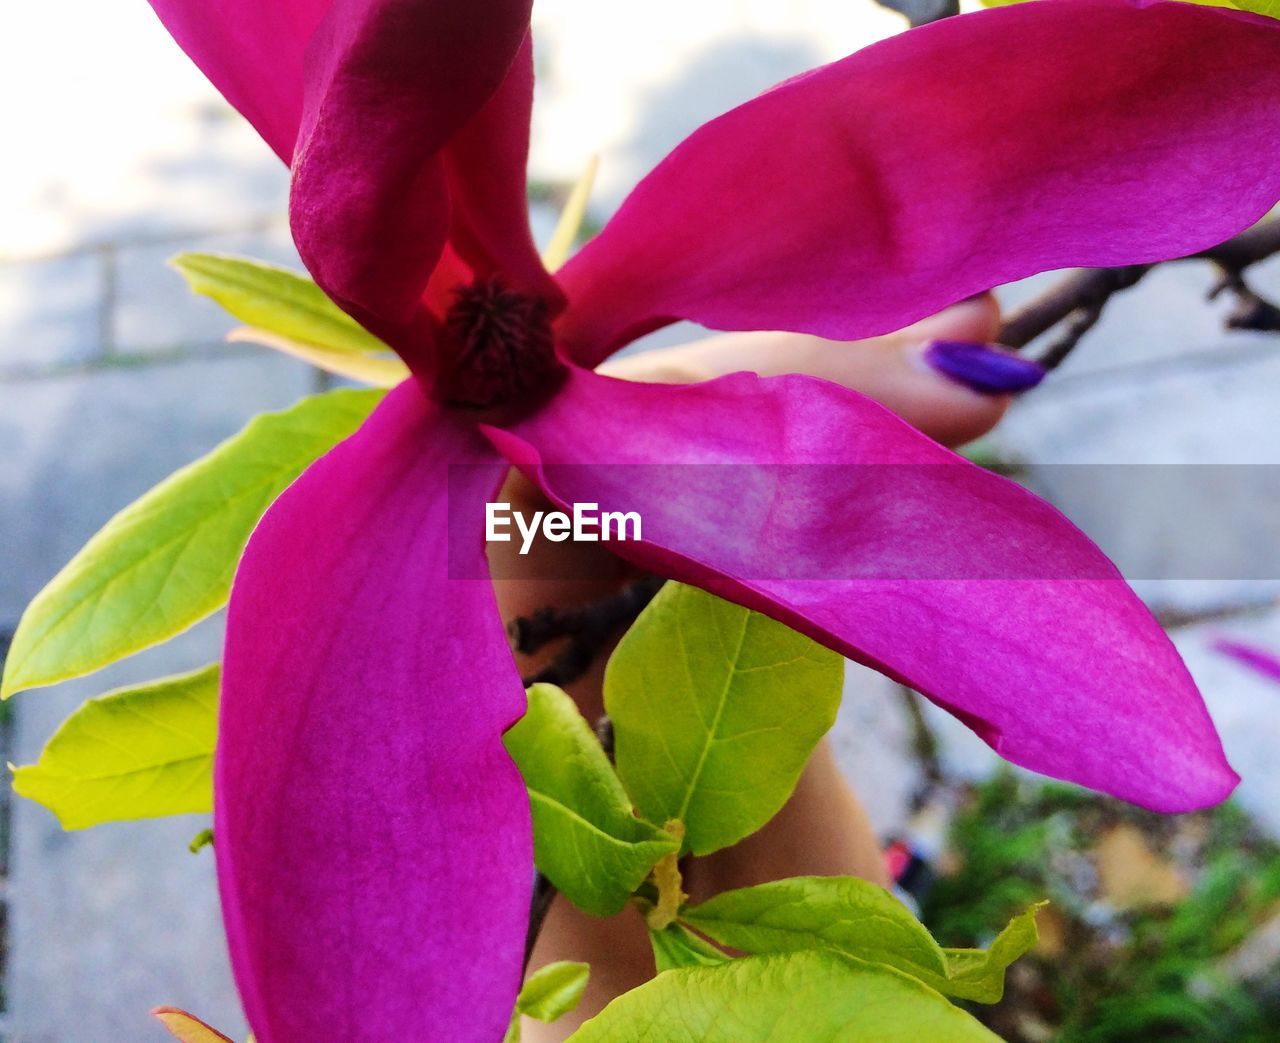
<point x="922" y="12"/>
<point x="1074" y="305"/>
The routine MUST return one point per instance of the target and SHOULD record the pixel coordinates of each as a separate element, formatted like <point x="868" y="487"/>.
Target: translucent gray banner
<point x="896" y="522"/>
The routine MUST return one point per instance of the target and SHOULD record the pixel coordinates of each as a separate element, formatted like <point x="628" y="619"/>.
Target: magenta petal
<point x="389" y="83"/>
<point x="1071" y="677"/>
<point x="487" y="165"/>
<point x="968" y="153"/>
<point x="1257" y="659"/>
<point x="252" y="51"/>
<point x="372" y="835"/>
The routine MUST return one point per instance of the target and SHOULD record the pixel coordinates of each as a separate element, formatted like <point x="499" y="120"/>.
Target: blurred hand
<point x="822" y="829"/>
<point x="890" y="369"/>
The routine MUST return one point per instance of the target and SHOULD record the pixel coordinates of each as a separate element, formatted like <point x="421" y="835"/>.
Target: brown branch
<point x="589" y="630"/>
<point x="922" y="12"/>
<point x="924" y="744"/>
<point x="1077" y="297"/>
<point x="1250" y="312"/>
<point x="1076" y="302"/>
<point x="544" y="893"/>
<point x="1246" y="249"/>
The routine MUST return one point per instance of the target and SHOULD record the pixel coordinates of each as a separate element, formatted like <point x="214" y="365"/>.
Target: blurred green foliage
<point x="1203" y="968"/>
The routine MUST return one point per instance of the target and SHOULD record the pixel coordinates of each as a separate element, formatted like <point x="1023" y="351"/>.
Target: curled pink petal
<point x="252" y="51"/>
<point x="1257" y="659"/>
<point x="817" y="506"/>
<point x="388" y="84"/>
<point x="486" y="163"/>
<point x="373" y="837"/>
<point x="971" y="152"/>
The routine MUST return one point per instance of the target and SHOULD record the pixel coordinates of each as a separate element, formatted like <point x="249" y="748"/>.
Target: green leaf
<point x="978" y="974"/>
<point x="166" y="561"/>
<point x="586" y="839"/>
<point x="548" y="993"/>
<point x="675" y="946"/>
<point x="382" y="371"/>
<point x="1270" y="8"/>
<point x="553" y="991"/>
<point x="186" y="1028"/>
<point x="802" y="997"/>
<point x="275" y="299"/>
<point x="843" y="913"/>
<point x="715" y="711"/>
<point x="135" y="753"/>
<point x="858" y="919"/>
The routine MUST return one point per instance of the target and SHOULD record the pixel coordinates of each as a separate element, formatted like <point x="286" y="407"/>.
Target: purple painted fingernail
<point x="981" y="368"/>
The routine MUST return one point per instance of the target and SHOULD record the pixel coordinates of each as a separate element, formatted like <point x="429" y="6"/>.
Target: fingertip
<point x="942" y="407"/>
<point x="975" y="318"/>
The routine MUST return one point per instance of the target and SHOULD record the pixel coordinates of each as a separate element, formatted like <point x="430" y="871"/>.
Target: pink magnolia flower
<point x="374" y="849"/>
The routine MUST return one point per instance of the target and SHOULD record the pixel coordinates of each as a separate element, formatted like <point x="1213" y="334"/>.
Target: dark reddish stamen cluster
<point x="497" y="348"/>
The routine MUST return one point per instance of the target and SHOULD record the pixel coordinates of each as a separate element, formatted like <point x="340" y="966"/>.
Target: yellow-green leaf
<point x="553" y="991"/>
<point x="570" y="223"/>
<point x="187" y="1029"/>
<point x="548" y="993"/>
<point x="830" y="912"/>
<point x="166" y="561"/>
<point x="275" y="299"/>
<point x="978" y="974"/>
<point x="1270" y="8"/>
<point x="858" y="919"/>
<point x="586" y="839"/>
<point x="800" y="997"/>
<point x="134" y="753"/>
<point x="715" y="711"/>
<point x="676" y="946"/>
<point x="379" y="370"/>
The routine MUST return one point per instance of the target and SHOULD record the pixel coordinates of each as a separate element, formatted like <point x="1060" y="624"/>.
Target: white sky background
<point x="109" y="132"/>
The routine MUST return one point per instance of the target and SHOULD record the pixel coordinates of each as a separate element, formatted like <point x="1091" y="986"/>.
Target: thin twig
<point x="1079" y="295"/>
<point x="922" y="12"/>
<point x="544" y="892"/>
<point x="604" y="732"/>
<point x="1246" y="249"/>
<point x="1077" y="301"/>
<point x="924" y="744"/>
<point x="1250" y="312"/>
<point x="589" y="629"/>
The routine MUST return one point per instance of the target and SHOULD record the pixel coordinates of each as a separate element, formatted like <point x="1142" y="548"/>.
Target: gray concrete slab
<point x="52" y="312"/>
<point x="154" y="311"/>
<point x="79" y="447"/>
<point x="872" y="743"/>
<point x="106" y="923"/>
<point x="1245" y="708"/>
<point x="1172" y="468"/>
